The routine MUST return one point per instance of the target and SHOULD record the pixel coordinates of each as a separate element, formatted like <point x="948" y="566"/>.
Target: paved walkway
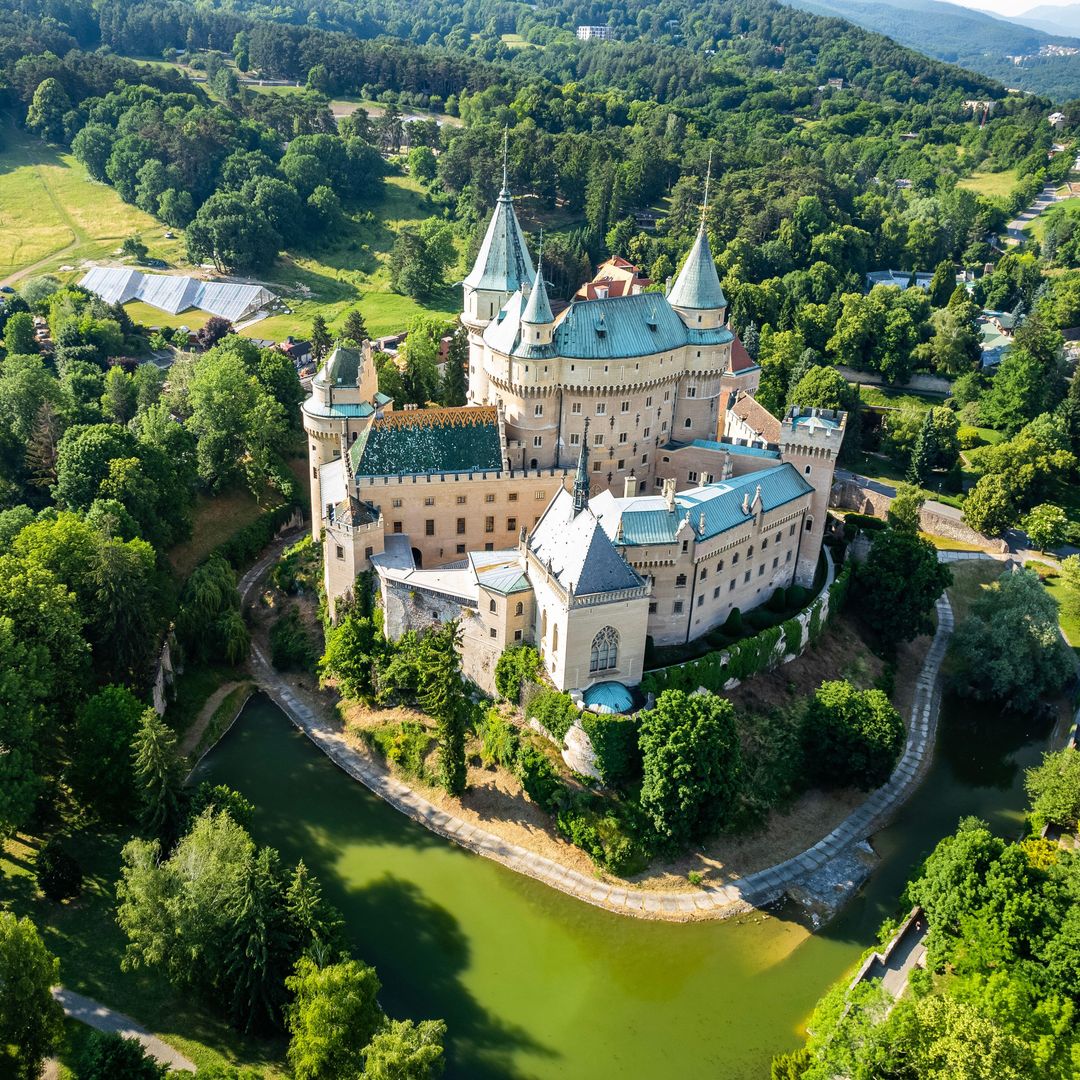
<point x="718" y="901"/>
<point x="95" y="1015"/>
<point x="195" y="732"/>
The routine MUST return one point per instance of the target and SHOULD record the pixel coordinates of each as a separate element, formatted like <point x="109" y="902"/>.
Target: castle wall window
<point x="761" y="570"/>
<point x="517" y="635"/>
<point x="539" y="495"/>
<point x="667" y="395"/>
<point x="652" y="607"/>
<point x="691" y="477"/>
<point x="701" y="600"/>
<point x="716" y="592"/>
<point x="809" y="524"/>
<point x="395" y="503"/>
<point x="512" y="497"/>
<point x="779" y="537"/>
<point x="489" y="498"/>
<point x="368" y="552"/>
<point x="429" y="500"/>
<point x="720" y="566"/>
<point x="648" y="401"/>
<point x="691" y="391"/>
<point x="677" y="607"/>
<point x="493" y="607"/>
<point x="461" y="526"/>
<point x="734" y="558"/>
<point x="746" y="577"/>
<point x="704" y="573"/>
<point x="776" y="562"/>
<point x="663" y="426"/>
<point x="750" y="553"/>
<point x="601" y="408"/>
<point x="397" y="526"/>
<point x="493" y="632"/>
<point x="791" y="531"/>
<point x="461" y="549"/>
<point x="731" y="585"/>
<point x="575" y="408"/>
<point x="575" y="438"/>
<point x="461" y="500"/>
<point x="429" y="527"/>
<point x="688" y="422"/>
<point x="520" y="609"/>
<point x="621" y="465"/>
<point x="764" y="543"/>
<point x="623" y="437"/>
<point x="511" y="524"/>
<point x="625" y="406"/>
<point x="538" y="410"/>
<point x="596" y="466"/>
<point x="644" y="459"/>
<point x="489" y="524"/>
<point x="807" y="470"/>
<point x="645" y="433"/>
<point x="555" y="638"/>
<point x="680" y="581"/>
<point x="340" y="552"/>
<point x="538" y="440"/>
<point x="598" y="440"/>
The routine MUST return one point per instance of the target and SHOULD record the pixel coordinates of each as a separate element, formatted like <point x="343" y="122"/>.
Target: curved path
<point x="719" y="901"/>
<point x="96" y="1015"/>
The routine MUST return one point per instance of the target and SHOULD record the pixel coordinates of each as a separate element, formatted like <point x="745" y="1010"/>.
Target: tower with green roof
<point x="696" y="293"/>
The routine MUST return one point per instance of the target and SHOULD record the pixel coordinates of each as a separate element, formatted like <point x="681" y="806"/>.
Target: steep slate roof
<point x="643" y="520"/>
<point x="581" y="557"/>
<point x="502" y="263"/>
<point x="756" y="417"/>
<point x="422" y="441"/>
<point x="697" y="287"/>
<point x="538" y="310"/>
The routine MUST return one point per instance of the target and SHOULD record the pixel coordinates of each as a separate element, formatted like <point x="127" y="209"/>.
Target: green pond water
<point x="535" y="984"/>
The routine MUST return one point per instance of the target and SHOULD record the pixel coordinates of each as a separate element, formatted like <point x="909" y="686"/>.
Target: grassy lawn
<point x="897" y="399"/>
<point x="354" y="272"/>
<point x="193" y="689"/>
<point x="991" y="184"/>
<point x="84" y="935"/>
<point x="52" y="213"/>
<point x="1037" y="228"/>
<point x="969" y="580"/>
<point x="146" y="315"/>
<point x="943" y="543"/>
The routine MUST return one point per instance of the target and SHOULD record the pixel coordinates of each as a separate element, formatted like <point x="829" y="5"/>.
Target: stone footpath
<point x="713" y="902"/>
<point x="96" y="1015"/>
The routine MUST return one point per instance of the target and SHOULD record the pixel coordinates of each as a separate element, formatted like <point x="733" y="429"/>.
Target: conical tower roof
<point x="698" y="285"/>
<point x="538" y="309"/>
<point x="503" y="263"/>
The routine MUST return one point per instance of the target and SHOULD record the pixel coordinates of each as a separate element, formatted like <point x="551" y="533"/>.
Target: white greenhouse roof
<point x="172" y="293"/>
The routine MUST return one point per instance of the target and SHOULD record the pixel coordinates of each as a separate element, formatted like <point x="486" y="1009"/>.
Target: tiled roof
<point x="422" y="441"/>
<point x="640" y="521"/>
<point x="352" y="511"/>
<point x="697" y="287"/>
<point x="578" y="551"/>
<point x="342" y="366"/>
<point x="502" y="263"/>
<point x="741" y="360"/>
<point x="756" y="417"/>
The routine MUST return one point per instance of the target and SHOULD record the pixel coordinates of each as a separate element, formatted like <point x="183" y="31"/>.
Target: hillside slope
<point x="970" y="38"/>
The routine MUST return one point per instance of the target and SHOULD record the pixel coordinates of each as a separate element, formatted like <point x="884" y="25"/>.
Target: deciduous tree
<point x="31" y="1021"/>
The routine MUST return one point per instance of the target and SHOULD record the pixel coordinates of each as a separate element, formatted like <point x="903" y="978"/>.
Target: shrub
<point x="498" y="740"/>
<point x="778" y="601"/>
<point x="220" y="797"/>
<point x="733" y="623"/>
<point x="58" y="873"/>
<point x="538" y="776"/>
<point x="291" y="648"/>
<point x="405" y="744"/>
<point x="555" y="711"/>
<point x="797" y="596"/>
<point x="694" y="877"/>
<point x="968" y="437"/>
<point x="517" y="665"/>
<point x="615" y="740"/>
<point x="243" y="546"/>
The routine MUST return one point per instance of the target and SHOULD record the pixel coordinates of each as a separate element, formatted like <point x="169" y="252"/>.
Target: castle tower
<point x="696" y="293"/>
<point x="537" y="322"/>
<point x="344" y="400"/>
<point x="810" y="439"/>
<point x="502" y="264"/>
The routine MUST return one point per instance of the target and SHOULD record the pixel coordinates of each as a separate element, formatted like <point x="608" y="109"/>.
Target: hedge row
<point x="754" y="654"/>
<point x="245" y="545"/>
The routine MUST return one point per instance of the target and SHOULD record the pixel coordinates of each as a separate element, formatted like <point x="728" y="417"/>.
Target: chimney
<point x="746" y="502"/>
<point x="629" y="489"/>
<point x="668" y="491"/>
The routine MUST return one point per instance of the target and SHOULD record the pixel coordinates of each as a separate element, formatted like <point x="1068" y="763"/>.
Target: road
<point x="1043" y="201"/>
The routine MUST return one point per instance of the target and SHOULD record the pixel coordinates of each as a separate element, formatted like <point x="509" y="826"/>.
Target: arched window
<point x="605" y="650"/>
<point x="520" y="609"/>
<point x="555" y="638"/>
<point x="493" y="607"/>
<point x="809" y="524"/>
<point x="807" y="470"/>
<point x="543" y="627"/>
<point x="750" y="553"/>
<point x="689" y="422"/>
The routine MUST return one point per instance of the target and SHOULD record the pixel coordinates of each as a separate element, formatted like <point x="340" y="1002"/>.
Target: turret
<point x="502" y="264"/>
<point x="537" y="322"/>
<point x="581" y="477"/>
<point x="696" y="293"/>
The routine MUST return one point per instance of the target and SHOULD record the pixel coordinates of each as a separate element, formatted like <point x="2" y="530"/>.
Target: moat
<point x="533" y="983"/>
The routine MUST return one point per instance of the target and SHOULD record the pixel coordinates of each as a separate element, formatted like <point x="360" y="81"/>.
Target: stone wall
<point x="926" y="384"/>
<point x="851" y="495"/>
<point x="952" y="529"/>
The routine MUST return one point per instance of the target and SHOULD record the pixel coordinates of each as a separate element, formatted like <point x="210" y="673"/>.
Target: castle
<point x="612" y="479"/>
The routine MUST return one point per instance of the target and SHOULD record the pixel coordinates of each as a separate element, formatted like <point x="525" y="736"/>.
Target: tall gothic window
<point x="605" y="650"/>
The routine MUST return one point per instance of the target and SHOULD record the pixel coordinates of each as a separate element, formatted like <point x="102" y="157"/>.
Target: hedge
<point x="555" y="711"/>
<point x="753" y="654"/>
<point x="614" y="739"/>
<point x="245" y="545"/>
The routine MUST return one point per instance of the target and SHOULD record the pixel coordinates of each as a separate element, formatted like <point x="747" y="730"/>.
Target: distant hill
<point x="972" y="39"/>
<point x="1054" y="20"/>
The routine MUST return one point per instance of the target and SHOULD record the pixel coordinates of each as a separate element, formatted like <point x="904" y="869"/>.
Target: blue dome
<point x="609" y="696"/>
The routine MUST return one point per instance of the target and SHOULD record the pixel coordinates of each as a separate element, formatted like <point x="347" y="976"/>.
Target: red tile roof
<point x="757" y="418"/>
<point x="741" y="360"/>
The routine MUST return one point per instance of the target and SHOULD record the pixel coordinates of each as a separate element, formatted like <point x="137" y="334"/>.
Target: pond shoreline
<point x="754" y="890"/>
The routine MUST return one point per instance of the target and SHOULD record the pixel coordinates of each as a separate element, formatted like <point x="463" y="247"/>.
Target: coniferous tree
<point x="320" y="338"/>
<point x="157" y="774"/>
<point x="315" y="926"/>
<point x="454" y="382"/>
<point x="355" y="329"/>
<point x="925" y="451"/>
<point x="442" y="696"/>
<point x="41" y="449"/>
<point x="751" y="339"/>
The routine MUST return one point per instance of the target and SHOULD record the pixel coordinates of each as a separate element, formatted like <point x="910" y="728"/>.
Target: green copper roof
<point x="538" y="309"/>
<point x="502" y="263"/>
<point x="417" y="442"/>
<point x="697" y="287"/>
<point x="343" y="366"/>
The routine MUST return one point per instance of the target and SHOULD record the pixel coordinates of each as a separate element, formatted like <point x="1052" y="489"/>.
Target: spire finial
<point x="540" y="249"/>
<point x="581" y="479"/>
<point x="506" y="135"/>
<point x="705" y="203"/>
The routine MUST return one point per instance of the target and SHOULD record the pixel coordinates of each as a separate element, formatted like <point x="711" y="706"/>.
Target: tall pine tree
<point x="354" y="328"/>
<point x="442" y="696"/>
<point x="157" y="774"/>
<point x="454" y="380"/>
<point x="320" y="338"/>
<point x="925" y="452"/>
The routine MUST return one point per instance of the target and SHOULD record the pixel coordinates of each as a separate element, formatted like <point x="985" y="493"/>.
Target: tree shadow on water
<point x="420" y="951"/>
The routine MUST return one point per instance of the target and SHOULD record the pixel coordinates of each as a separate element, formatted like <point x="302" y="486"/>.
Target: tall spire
<point x="581" y="478"/>
<point x="506" y="135"/>
<point x="705" y="201"/>
<point x="538" y="309"/>
<point x="697" y="287"/>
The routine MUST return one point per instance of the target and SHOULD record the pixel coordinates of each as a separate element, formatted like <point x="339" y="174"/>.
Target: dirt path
<point x="195" y="732"/>
<point x="95" y="1015"/>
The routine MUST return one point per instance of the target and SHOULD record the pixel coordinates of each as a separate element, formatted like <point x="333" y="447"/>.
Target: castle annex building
<point x="613" y="478"/>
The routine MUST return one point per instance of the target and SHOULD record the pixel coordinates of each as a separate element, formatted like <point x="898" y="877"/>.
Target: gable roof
<point x="425" y="441"/>
<point x="756" y="417"/>
<point x="697" y="287"/>
<point x="741" y="360"/>
<point x="174" y="293"/>
<point x="710" y="510"/>
<point x="502" y="263"/>
<point x="578" y="551"/>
